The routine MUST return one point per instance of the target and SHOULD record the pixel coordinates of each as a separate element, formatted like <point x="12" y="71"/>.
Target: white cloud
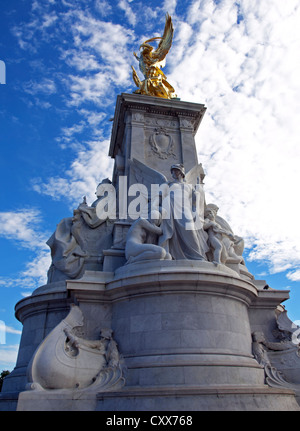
<point x="86" y="61"/>
<point x="103" y="7"/>
<point x="30" y="34"/>
<point x="90" y="166"/>
<point x="97" y="48"/>
<point x="69" y="132"/>
<point x="294" y="275"/>
<point x="24" y="227"/>
<point x="100" y="50"/>
<point x="169" y="6"/>
<point x="35" y="273"/>
<point x="84" y="90"/>
<point x="20" y="225"/>
<point x="45" y="86"/>
<point x="8" y="355"/>
<point x="130" y="15"/>
<point x="93" y="118"/>
<point x="10" y="330"/>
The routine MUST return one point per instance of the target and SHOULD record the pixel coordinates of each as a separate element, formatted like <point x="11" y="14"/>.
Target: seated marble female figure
<point x="140" y="242"/>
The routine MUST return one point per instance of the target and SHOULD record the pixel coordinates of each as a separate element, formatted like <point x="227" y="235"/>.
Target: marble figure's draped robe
<point x="67" y="255"/>
<point x="177" y="239"/>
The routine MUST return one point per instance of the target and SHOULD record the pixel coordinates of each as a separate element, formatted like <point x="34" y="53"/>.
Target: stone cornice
<point x="152" y="105"/>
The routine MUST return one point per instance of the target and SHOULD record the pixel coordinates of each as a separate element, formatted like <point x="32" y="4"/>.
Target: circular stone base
<point x="199" y="399"/>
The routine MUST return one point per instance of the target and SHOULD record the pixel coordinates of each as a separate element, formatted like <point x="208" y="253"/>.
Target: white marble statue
<point x="183" y="235"/>
<point x="76" y="239"/>
<point x="261" y="349"/>
<point x="224" y="245"/>
<point x="181" y="203"/>
<point x="141" y="241"/>
<point x="215" y="236"/>
<point x="66" y="252"/>
<point x="66" y="361"/>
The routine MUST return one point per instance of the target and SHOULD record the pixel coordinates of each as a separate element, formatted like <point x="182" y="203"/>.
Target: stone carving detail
<point x="186" y="123"/>
<point x="259" y="345"/>
<point x="286" y="360"/>
<point x="79" y="243"/>
<point x="262" y="351"/>
<point x="120" y="231"/>
<point x="199" y="233"/>
<point x="287" y="330"/>
<point x="65" y="360"/>
<point x="162" y="143"/>
<point x="78" y="238"/>
<point x="153" y="121"/>
<point x="67" y="255"/>
<point x="224" y="245"/>
<point x="142" y="241"/>
<point x="182" y="237"/>
<point x="138" y="117"/>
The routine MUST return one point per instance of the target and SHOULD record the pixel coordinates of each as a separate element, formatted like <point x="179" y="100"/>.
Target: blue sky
<point x="66" y="62"/>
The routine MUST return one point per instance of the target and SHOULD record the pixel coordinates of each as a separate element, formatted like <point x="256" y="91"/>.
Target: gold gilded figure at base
<point x="150" y="62"/>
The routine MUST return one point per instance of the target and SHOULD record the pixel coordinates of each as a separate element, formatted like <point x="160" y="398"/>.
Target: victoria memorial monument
<point x="149" y="304"/>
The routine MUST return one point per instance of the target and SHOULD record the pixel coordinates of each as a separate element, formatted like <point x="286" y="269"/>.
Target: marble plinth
<point x="184" y="332"/>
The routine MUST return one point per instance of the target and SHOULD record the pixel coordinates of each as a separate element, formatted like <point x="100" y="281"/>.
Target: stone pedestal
<point x="184" y="333"/>
<point x="157" y="132"/>
<point x="182" y="327"/>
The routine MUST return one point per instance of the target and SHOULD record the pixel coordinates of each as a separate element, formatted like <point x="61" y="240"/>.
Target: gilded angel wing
<point x="166" y="41"/>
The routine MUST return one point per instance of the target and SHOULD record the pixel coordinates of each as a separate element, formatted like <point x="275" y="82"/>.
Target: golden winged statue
<point x="150" y="63"/>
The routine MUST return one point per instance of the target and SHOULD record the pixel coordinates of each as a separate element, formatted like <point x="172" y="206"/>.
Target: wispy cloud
<point x="20" y="225"/>
<point x="31" y="33"/>
<point x="87" y="170"/>
<point x="129" y="13"/>
<point x="8" y="355"/>
<point x="294" y="275"/>
<point x="24" y="227"/>
<point x="10" y="330"/>
<point x="46" y="86"/>
<point x="103" y="7"/>
<point x="103" y="47"/>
